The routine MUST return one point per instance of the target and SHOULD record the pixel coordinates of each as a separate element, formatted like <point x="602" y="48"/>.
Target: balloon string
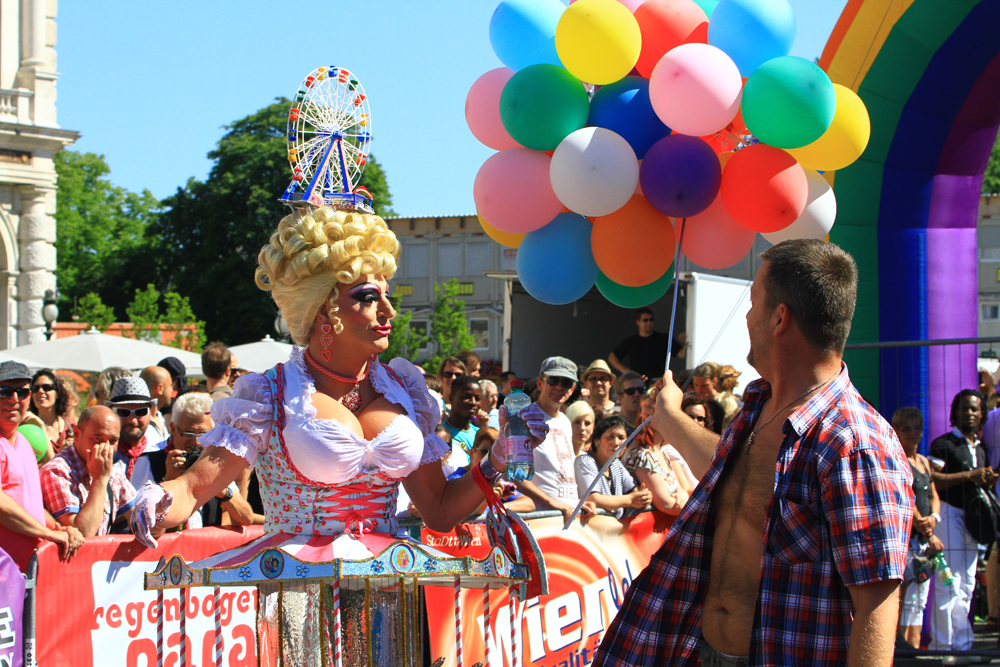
<point x="677" y="284"/>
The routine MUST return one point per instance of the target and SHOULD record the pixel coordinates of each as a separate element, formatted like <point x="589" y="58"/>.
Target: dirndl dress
<point x="335" y="576"/>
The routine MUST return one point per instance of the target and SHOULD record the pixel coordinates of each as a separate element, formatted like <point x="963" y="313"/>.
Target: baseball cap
<point x="175" y="367"/>
<point x="559" y="367"/>
<point x="14" y="370"/>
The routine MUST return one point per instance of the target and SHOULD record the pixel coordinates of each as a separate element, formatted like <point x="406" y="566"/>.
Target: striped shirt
<point x="840" y="516"/>
<point x="618" y="484"/>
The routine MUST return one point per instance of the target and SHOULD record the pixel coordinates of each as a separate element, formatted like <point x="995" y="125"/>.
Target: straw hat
<point x="598" y="366"/>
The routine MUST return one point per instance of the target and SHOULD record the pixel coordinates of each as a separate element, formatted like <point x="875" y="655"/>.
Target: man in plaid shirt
<point x="791" y="549"/>
<point x="80" y="486"/>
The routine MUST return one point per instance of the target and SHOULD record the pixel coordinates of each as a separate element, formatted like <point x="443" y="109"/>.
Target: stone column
<point x="37" y="261"/>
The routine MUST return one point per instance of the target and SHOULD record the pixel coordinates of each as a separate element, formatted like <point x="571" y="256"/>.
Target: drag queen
<point x="332" y="432"/>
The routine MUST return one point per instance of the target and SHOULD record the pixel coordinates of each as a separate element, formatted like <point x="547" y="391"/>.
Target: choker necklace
<point x="804" y="394"/>
<point x="352" y="400"/>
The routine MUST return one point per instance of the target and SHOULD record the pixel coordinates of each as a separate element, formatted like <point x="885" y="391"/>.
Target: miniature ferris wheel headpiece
<point x="329" y="133"/>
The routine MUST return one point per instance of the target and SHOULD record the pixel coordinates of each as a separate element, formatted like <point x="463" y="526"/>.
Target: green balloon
<point x="788" y="102"/>
<point x="35" y="435"/>
<point x="541" y="104"/>
<point x="635" y="297"/>
<point x="707" y="5"/>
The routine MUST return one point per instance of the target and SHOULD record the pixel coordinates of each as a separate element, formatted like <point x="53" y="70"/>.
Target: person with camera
<point x="80" y="486"/>
<point x="189" y="421"/>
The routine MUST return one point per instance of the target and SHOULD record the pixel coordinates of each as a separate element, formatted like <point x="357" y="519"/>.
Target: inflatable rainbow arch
<point x="929" y="73"/>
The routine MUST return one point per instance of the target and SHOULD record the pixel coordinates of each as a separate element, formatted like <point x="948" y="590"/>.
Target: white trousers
<point x="950" y="627"/>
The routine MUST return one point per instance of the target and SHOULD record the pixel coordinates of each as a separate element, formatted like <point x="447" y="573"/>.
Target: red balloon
<point x="665" y="24"/>
<point x="713" y="240"/>
<point x="634" y="245"/>
<point x="764" y="188"/>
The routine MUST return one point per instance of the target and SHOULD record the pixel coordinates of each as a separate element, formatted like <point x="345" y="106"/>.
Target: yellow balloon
<point x="598" y="41"/>
<point x="846" y="139"/>
<point x="503" y="238"/>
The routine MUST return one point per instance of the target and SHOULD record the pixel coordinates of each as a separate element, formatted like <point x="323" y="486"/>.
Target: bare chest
<point x="747" y="485"/>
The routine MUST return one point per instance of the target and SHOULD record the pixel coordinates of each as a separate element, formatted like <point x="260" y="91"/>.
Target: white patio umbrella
<point x="93" y="352"/>
<point x="32" y="365"/>
<point x="262" y="355"/>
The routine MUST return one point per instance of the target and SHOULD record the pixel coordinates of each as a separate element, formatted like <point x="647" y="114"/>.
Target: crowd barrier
<point x="93" y="610"/>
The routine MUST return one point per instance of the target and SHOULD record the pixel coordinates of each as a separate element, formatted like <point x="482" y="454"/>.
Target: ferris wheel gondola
<point x="328" y="135"/>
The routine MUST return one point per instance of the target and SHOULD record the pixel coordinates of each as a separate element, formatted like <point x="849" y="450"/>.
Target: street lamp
<point x="50" y="311"/>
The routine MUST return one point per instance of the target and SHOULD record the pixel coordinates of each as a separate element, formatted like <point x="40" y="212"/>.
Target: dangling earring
<point x="325" y="340"/>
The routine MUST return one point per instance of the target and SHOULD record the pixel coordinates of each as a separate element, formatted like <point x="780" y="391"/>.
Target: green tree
<point x="991" y="179"/>
<point x="144" y="314"/>
<point x="210" y="232"/>
<point x="177" y="319"/>
<point x="100" y="232"/>
<point x="93" y="313"/>
<point x="404" y="341"/>
<point x="449" y="328"/>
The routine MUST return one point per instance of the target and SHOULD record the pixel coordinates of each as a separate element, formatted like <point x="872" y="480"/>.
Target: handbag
<point x="982" y="515"/>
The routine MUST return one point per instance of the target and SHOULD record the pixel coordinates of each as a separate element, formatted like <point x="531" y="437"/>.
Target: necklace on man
<point x="799" y="398"/>
<point x="352" y="400"/>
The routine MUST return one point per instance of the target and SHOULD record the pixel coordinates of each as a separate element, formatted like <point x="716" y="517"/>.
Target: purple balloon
<point x="680" y="176"/>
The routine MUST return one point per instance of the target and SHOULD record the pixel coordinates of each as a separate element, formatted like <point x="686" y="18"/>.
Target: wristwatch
<point x="228" y="495"/>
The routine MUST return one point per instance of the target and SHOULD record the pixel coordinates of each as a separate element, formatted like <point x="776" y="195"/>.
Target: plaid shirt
<point x="840" y="516"/>
<point x="66" y="485"/>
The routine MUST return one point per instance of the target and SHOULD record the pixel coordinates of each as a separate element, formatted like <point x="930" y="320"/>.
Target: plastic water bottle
<point x="942" y="567"/>
<point x="520" y="459"/>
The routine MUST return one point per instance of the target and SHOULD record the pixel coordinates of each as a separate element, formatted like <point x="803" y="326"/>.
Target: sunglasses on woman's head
<point x="125" y="413"/>
<point x="634" y="390"/>
<point x="565" y="383"/>
<point x="22" y="392"/>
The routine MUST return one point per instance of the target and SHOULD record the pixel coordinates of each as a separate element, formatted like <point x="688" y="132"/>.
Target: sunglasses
<point x="22" y="392"/>
<point x="631" y="391"/>
<point x="125" y="413"/>
<point x="698" y="418"/>
<point x="44" y="387"/>
<point x="452" y="374"/>
<point x="565" y="383"/>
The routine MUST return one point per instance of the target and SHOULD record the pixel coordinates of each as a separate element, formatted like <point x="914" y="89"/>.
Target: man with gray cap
<point x="554" y="483"/>
<point x="22" y="515"/>
<point x="130" y="400"/>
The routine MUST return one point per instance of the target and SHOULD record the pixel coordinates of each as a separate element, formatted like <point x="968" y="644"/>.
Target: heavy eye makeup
<point x="366" y="293"/>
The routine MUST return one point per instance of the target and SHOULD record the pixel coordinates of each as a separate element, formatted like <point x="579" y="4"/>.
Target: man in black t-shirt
<point x="646" y="351"/>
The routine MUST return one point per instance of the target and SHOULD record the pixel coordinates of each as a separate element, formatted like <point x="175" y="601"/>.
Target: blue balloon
<point x="623" y="107"/>
<point x="555" y="263"/>
<point x="680" y="176"/>
<point x="751" y="32"/>
<point x="523" y="32"/>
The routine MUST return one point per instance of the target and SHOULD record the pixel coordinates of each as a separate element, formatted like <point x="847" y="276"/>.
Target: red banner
<point x="93" y="610"/>
<point x="590" y="568"/>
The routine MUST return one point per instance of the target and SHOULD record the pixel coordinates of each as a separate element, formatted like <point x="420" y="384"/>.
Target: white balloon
<point x="817" y="218"/>
<point x="594" y="171"/>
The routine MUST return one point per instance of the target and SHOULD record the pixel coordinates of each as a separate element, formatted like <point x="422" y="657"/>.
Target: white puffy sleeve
<point x="426" y="410"/>
<point x="242" y="421"/>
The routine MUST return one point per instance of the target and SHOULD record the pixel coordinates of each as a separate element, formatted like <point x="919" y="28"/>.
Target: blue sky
<point x="150" y="85"/>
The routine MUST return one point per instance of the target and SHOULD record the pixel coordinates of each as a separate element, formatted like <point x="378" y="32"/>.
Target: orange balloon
<point x="665" y="24"/>
<point x="503" y="238"/>
<point x="634" y="245"/>
<point x="764" y="188"/>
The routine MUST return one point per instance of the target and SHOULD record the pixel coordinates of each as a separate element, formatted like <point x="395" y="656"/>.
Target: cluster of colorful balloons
<point x="614" y="120"/>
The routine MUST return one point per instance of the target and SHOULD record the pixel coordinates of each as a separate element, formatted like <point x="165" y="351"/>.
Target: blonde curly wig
<point x="308" y="256"/>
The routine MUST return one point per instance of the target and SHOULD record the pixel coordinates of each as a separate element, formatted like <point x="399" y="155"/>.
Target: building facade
<point x="29" y="140"/>
<point x="437" y="249"/>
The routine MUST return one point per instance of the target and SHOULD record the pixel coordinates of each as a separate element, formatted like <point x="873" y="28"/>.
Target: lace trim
<point x="232" y="440"/>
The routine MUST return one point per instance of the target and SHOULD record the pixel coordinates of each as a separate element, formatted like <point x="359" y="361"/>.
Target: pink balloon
<point x="696" y="89"/>
<point x="482" y="109"/>
<point x="713" y="240"/>
<point x="513" y="191"/>
<point x="631" y="5"/>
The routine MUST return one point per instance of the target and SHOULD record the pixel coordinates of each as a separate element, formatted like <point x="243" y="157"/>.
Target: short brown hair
<point x="215" y="361"/>
<point x="469" y="358"/>
<point x="709" y="370"/>
<point x="818" y="282"/>
<point x="909" y="414"/>
<point x="449" y="361"/>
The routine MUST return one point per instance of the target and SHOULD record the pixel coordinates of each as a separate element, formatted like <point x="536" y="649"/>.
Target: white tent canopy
<point x="93" y="352"/>
<point x="262" y="355"/>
